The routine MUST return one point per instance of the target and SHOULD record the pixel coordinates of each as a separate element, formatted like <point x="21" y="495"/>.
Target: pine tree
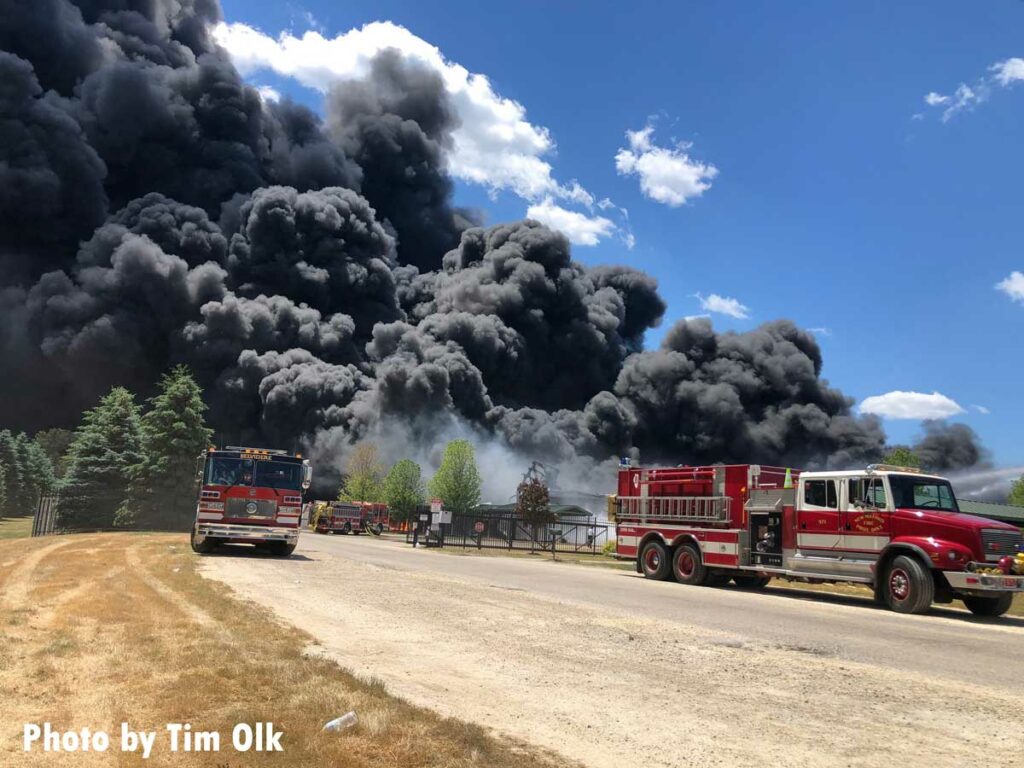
<point x="162" y="491"/>
<point x="107" y="445"/>
<point x="37" y="475"/>
<point x="55" y="444"/>
<point x="3" y="490"/>
<point x="457" y="482"/>
<point x="403" y="489"/>
<point x="364" y="475"/>
<point x="11" y="479"/>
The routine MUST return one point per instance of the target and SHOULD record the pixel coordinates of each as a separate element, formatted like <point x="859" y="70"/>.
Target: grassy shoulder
<point x="103" y="628"/>
<point x="15" y="527"/>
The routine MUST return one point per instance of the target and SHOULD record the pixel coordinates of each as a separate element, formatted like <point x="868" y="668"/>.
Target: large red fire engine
<point x="354" y="517"/>
<point x="251" y="496"/>
<point x="893" y="528"/>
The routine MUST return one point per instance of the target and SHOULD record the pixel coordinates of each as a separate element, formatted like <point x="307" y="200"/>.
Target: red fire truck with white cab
<point x="250" y="496"/>
<point x="895" y="529"/>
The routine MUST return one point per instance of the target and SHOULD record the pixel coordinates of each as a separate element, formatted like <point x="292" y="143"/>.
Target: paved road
<point x="612" y="669"/>
<point x="946" y="643"/>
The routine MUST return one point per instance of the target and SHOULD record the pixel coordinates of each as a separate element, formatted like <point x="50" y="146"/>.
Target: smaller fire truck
<point x="895" y="529"/>
<point x="249" y="496"/>
<point x="354" y="517"/>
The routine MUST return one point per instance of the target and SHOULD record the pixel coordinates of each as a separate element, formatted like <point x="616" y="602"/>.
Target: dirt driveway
<point x="490" y="640"/>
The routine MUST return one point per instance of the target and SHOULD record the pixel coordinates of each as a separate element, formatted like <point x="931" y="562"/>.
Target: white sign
<point x="435" y="506"/>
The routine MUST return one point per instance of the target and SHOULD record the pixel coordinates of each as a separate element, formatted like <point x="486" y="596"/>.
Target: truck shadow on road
<point x="246" y="552"/>
<point x="866" y="603"/>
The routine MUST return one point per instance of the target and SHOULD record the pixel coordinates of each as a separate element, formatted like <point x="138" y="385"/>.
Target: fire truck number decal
<point x="871" y="522"/>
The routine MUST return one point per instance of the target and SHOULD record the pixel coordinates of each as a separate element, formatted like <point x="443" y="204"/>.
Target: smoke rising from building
<point x="317" y="278"/>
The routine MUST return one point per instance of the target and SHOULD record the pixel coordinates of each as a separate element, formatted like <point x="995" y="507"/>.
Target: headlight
<point x="251" y="507"/>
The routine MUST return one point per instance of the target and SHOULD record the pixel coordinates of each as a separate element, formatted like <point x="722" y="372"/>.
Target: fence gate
<point x="45" y="520"/>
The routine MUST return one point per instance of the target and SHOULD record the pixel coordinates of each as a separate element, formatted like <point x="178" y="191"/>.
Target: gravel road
<point x="613" y="670"/>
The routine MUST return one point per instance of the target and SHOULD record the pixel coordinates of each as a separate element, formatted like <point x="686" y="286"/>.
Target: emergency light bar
<point x="263" y="451"/>
<point x="892" y="468"/>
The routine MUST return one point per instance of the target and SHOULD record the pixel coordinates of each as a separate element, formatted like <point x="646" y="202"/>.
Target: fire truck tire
<point x="909" y="586"/>
<point x="347" y="528"/>
<point x="751" y="582"/>
<point x="989" y="606"/>
<point x="203" y="546"/>
<point x="281" y="548"/>
<point x="655" y="562"/>
<point x="687" y="566"/>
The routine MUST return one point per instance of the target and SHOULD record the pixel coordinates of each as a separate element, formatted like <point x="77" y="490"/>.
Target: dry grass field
<point x="103" y="628"/>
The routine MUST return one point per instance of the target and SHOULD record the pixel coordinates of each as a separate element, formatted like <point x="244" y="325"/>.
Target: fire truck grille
<point x="240" y="508"/>
<point x="998" y="543"/>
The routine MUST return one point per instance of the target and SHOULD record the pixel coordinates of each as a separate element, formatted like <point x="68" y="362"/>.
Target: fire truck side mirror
<point x="307" y="476"/>
<point x="200" y="464"/>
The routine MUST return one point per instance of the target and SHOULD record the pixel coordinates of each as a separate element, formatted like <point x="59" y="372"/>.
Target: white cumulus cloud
<point x="723" y="305"/>
<point x="1013" y="286"/>
<point x="268" y="93"/>
<point x="966" y="97"/>
<point x="667" y="174"/>
<point x="1009" y="71"/>
<point x="494" y="145"/>
<point x="911" y="405"/>
<point x="579" y="228"/>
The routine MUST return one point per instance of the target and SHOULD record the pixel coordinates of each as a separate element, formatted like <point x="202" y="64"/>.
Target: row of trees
<point x="127" y="467"/>
<point x="26" y="472"/>
<point x="457" y="481"/>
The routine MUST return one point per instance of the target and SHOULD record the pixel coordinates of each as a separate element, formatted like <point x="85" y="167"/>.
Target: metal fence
<point x="507" y="531"/>
<point x="74" y="510"/>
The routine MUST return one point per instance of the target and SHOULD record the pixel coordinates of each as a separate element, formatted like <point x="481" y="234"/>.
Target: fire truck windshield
<point x="278" y="474"/>
<point x="915" y="492"/>
<point x="261" y="474"/>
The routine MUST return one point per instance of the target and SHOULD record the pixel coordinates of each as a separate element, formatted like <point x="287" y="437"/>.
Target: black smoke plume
<point x="319" y="281"/>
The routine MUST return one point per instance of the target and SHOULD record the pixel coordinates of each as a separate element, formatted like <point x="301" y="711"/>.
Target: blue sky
<point x="842" y="200"/>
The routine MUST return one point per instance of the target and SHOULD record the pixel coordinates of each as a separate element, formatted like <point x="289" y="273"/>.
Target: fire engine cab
<point x="249" y="496"/>
<point x="895" y="529"/>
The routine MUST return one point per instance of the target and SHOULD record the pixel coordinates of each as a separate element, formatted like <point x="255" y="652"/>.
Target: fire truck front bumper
<point x="983" y="583"/>
<point x="247" y="532"/>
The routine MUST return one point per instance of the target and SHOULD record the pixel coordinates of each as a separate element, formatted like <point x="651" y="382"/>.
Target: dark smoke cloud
<point x="397" y="124"/>
<point x="51" y="179"/>
<point x="154" y="210"/>
<point x="950" y="447"/>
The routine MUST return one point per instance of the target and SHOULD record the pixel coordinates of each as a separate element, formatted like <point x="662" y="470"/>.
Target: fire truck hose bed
<point x="606" y="667"/>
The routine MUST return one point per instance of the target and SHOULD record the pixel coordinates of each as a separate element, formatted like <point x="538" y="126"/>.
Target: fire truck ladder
<point x="696" y="509"/>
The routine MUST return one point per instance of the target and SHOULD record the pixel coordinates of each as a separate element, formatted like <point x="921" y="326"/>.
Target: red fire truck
<point x="354" y="517"/>
<point x="251" y="496"/>
<point x="895" y="529"/>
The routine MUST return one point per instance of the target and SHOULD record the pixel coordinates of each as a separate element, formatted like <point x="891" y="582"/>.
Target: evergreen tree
<point x="55" y="444"/>
<point x="37" y="475"/>
<point x="162" y="492"/>
<point x="3" y="490"/>
<point x="364" y="475"/>
<point x="107" y="444"/>
<point x="403" y="489"/>
<point x="457" y="482"/>
<point x="11" y="479"/>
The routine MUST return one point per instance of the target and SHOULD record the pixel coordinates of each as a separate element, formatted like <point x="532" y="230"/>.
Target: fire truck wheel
<point x="909" y="586"/>
<point x="751" y="582"/>
<point x="654" y="561"/>
<point x="281" y="548"/>
<point x="687" y="566"/>
<point x="347" y="528"/>
<point x="202" y="545"/>
<point x="989" y="606"/>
